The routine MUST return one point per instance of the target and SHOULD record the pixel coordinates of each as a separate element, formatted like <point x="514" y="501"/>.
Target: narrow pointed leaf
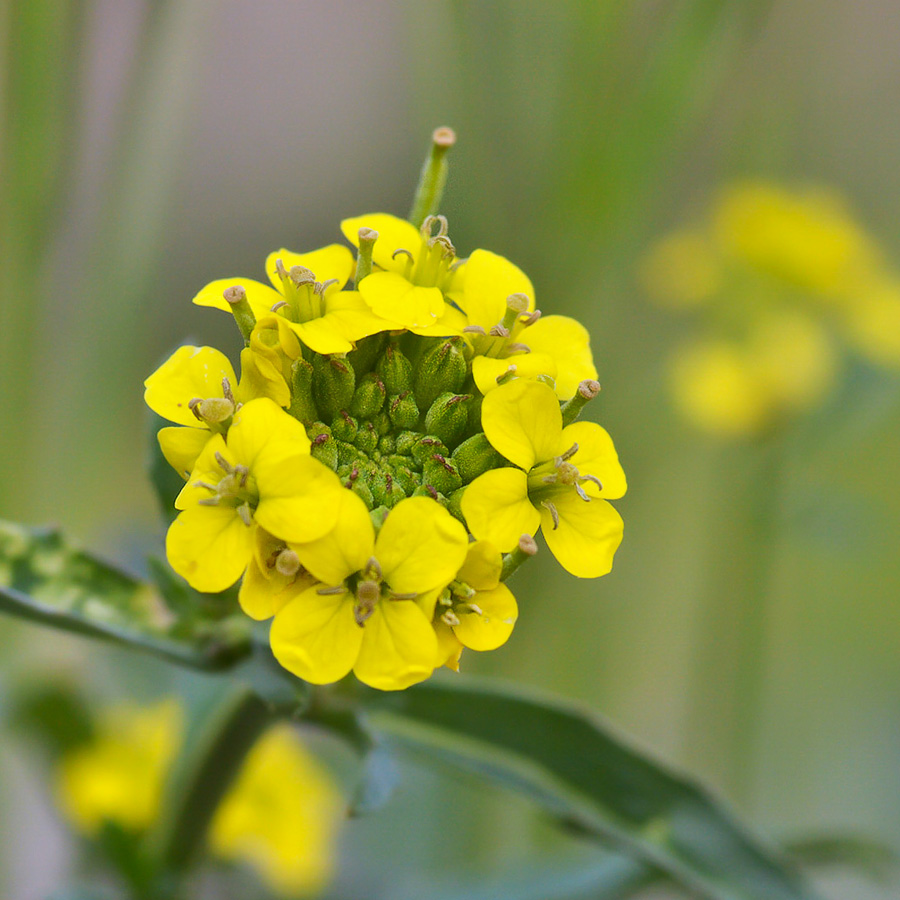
<point x="46" y="580"/>
<point x="572" y="763"/>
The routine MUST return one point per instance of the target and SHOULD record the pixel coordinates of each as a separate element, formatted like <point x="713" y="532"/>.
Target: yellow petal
<point x="486" y="370"/>
<point x="420" y="546"/>
<point x="260" y="423"/>
<point x="316" y="636"/>
<point x="332" y="262"/>
<point x="298" y="496"/>
<point x="588" y="535"/>
<point x="398" y="648"/>
<point x="260" y="378"/>
<point x="394" y="298"/>
<point x="260" y="296"/>
<point x="189" y="373"/>
<point x="493" y="627"/>
<point x="450" y="647"/>
<point x="522" y="421"/>
<point x="497" y="508"/>
<point x="393" y="234"/>
<point x="482" y="567"/>
<point x="346" y="547"/>
<point x="488" y="280"/>
<point x="321" y="335"/>
<point x="181" y="447"/>
<point x="451" y="321"/>
<point x="209" y="546"/>
<point x="596" y="456"/>
<point x="351" y="315"/>
<point x="569" y="343"/>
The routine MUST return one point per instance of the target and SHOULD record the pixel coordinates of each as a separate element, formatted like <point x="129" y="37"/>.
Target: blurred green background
<point x="749" y="630"/>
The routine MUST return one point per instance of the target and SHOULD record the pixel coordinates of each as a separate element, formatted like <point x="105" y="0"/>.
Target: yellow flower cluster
<point x="389" y="451"/>
<point x="774" y="275"/>
<point x="280" y="816"/>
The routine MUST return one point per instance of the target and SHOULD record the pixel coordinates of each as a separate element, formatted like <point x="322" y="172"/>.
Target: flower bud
<point x="382" y="423"/>
<point x="475" y="456"/>
<point x="303" y="407"/>
<point x="448" y="416"/>
<point x="473" y="425"/>
<point x="442" y="474"/>
<point x="323" y="446"/>
<point x="403" y="411"/>
<point x="403" y="474"/>
<point x="369" y="397"/>
<point x="426" y="490"/>
<point x="367" y="351"/>
<point x="387" y="444"/>
<point x="363" y="491"/>
<point x="406" y="441"/>
<point x="395" y="371"/>
<point x="367" y="437"/>
<point x="425" y="447"/>
<point x="333" y="385"/>
<point x="454" y="504"/>
<point x="441" y="369"/>
<point x="347" y="453"/>
<point x="344" y="427"/>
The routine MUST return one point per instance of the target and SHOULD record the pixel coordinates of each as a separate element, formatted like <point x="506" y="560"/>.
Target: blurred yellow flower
<point x="281" y="816"/>
<point x="774" y="276"/>
<point x="118" y="777"/>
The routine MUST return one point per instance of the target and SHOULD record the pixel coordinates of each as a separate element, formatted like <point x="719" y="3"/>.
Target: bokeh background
<point x="750" y="629"/>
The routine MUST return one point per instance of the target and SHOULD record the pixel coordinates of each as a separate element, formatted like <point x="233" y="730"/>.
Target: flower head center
<point x="304" y="296"/>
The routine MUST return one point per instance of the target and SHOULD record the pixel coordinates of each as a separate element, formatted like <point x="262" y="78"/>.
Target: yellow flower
<point x="119" y="775"/>
<point x="274" y="576"/>
<point x="508" y="337"/>
<point x="281" y="816"/>
<point x="683" y="270"/>
<point x="872" y="320"/>
<point x="307" y="293"/>
<point x="363" y="615"/>
<point x="416" y="268"/>
<point x="262" y="474"/>
<point x="561" y="477"/>
<point x="476" y="610"/>
<point x="732" y="389"/>
<point x="805" y="238"/>
<point x="195" y="388"/>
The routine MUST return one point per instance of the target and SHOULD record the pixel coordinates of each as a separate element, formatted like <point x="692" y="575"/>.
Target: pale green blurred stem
<point x="214" y="749"/>
<point x="39" y="41"/>
<point x="729" y="664"/>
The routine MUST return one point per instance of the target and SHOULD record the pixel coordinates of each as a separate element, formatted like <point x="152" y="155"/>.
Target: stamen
<point x="194" y="407"/>
<point x="246" y="516"/>
<point x="209" y="501"/>
<point x="474" y="608"/>
<point x="330" y="591"/>
<point x="407" y="596"/>
<point x="320" y="288"/>
<point x="402" y="250"/>
<point x="473" y="329"/>
<point x="499" y="331"/>
<point x="276" y="306"/>
<point x="203" y="484"/>
<point x="227" y="392"/>
<point x="223" y="463"/>
<point x="450" y="618"/>
<point x="593" y="478"/>
<point x="550" y="479"/>
<point x="581" y="493"/>
<point x="373" y="566"/>
<point x="508" y="375"/>
<point x="568" y="454"/>
<point x="243" y="474"/>
<point x="518" y="348"/>
<point x="553" y="512"/>
<point x="532" y="318"/>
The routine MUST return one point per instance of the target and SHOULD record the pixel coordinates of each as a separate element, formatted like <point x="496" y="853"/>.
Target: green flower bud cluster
<point x="397" y="417"/>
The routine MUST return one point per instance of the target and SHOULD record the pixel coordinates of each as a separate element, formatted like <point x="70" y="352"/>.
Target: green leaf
<point x="572" y="763"/>
<point x="44" y="579"/>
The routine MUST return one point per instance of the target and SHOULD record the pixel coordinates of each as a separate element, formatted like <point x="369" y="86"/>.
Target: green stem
<point x="213" y="753"/>
<point x="433" y="177"/>
<point x="730" y="649"/>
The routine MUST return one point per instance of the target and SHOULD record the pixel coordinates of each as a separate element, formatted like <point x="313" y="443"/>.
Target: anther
<point x="473" y="329"/>
<point x="223" y="463"/>
<point x="246" y="516"/>
<point x="208" y="501"/>
<point x="194" y="407"/>
<point x="276" y="306"/>
<point x="408" y="596"/>
<point x="373" y="566"/>
<point x="508" y="375"/>
<point x="532" y="318"/>
<point x="499" y="331"/>
<point x="593" y="478"/>
<point x="554" y="513"/>
<point x="518" y="347"/>
<point x="402" y="251"/>
<point x="567" y="455"/>
<point x="227" y="392"/>
<point x="330" y="591"/>
<point x="475" y="608"/>
<point x="450" y="618"/>
<point x="581" y="493"/>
